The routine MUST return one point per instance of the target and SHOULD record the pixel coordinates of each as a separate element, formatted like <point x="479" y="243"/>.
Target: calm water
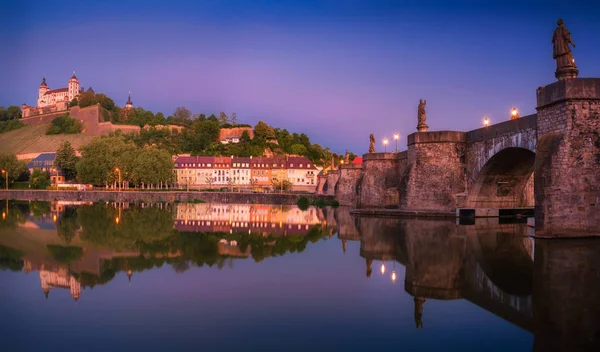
<point x="259" y="277"/>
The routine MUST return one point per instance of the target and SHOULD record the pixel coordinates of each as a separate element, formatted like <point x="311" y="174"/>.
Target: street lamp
<point x="119" y="171"/>
<point x="55" y="177"/>
<point x="396" y="137"/>
<point x="5" y="177"/>
<point x="486" y="121"/>
<point x="385" y="142"/>
<point x="514" y="114"/>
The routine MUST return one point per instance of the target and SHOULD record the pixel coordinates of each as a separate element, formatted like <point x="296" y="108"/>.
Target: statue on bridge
<point x="421" y="117"/>
<point x="347" y="157"/>
<point x="565" y="63"/>
<point x="372" y="143"/>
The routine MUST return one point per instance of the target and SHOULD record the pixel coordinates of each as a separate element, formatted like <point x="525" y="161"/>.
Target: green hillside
<point x="33" y="139"/>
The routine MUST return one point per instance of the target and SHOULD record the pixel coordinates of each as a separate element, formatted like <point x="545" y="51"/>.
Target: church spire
<point x="129" y="103"/>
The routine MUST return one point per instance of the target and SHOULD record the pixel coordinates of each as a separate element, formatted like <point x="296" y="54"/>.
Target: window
<point x="300" y="165"/>
<point x="291" y="165"/>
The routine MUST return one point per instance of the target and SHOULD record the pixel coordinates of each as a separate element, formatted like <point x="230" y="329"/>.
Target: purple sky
<point x="335" y="70"/>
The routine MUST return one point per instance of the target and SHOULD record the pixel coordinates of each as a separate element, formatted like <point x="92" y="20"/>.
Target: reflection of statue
<point x="421" y="117"/>
<point x="344" y="246"/>
<point x="565" y="64"/>
<point x="369" y="267"/>
<point x="419" y="311"/>
<point x="372" y="143"/>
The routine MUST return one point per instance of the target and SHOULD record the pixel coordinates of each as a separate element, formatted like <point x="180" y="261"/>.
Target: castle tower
<point x="41" y="92"/>
<point x="73" y="87"/>
<point x="129" y="103"/>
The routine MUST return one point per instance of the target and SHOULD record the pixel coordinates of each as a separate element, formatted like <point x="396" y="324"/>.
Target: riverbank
<point x="382" y="212"/>
<point x="158" y="196"/>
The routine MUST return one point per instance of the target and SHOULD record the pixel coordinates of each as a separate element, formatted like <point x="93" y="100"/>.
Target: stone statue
<point x="565" y="64"/>
<point x="372" y="143"/>
<point x="347" y="157"/>
<point x="422" y="116"/>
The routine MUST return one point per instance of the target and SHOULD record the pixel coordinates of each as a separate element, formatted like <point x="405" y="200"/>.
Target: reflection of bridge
<point x="491" y="266"/>
<point x="548" y="288"/>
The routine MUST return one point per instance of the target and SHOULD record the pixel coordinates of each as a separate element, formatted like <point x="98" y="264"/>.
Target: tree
<point x="263" y="131"/>
<point x="3" y="113"/>
<point x="39" y="179"/>
<point x="223" y="119"/>
<point x="13" y="167"/>
<point x="245" y="138"/>
<point x="152" y="166"/>
<point x="100" y="158"/>
<point x="66" y="160"/>
<point x="233" y="120"/>
<point x="182" y="114"/>
<point x="281" y="185"/>
<point x="298" y="149"/>
<point x="64" y="125"/>
<point x="13" y="112"/>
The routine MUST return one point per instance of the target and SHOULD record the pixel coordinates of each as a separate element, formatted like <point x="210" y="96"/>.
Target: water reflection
<point x="548" y="288"/>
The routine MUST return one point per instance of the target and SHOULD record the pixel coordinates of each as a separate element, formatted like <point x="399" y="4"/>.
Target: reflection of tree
<point x="67" y="224"/>
<point x="13" y="216"/>
<point x="10" y="259"/>
<point x="39" y="208"/>
<point x="180" y="266"/>
<point x="135" y="226"/>
<point x="65" y="254"/>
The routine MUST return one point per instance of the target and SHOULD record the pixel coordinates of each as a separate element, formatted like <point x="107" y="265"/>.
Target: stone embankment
<point x="149" y="196"/>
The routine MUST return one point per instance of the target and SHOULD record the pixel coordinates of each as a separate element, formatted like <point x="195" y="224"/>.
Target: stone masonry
<point x="379" y="186"/>
<point x="435" y="171"/>
<point x="347" y="188"/>
<point x="332" y="179"/>
<point x="567" y="166"/>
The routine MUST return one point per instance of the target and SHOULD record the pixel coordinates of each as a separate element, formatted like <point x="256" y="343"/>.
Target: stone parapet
<point x="437" y="137"/>
<point x="577" y="89"/>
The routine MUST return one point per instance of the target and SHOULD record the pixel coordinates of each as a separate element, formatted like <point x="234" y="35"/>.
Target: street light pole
<point x="5" y="177"/>
<point x="119" y="171"/>
<point x="396" y="137"/>
<point x="385" y="142"/>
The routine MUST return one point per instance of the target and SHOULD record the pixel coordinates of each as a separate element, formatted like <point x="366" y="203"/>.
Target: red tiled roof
<point x="297" y="160"/>
<point x="59" y="90"/>
<point x="190" y="161"/>
<point x="357" y="161"/>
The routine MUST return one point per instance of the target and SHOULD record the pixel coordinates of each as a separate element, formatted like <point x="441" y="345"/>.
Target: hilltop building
<point x="53" y="100"/>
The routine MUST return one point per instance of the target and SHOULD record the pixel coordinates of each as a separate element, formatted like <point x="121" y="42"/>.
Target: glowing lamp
<point x="382" y="268"/>
<point x="486" y="121"/>
<point x="393" y="276"/>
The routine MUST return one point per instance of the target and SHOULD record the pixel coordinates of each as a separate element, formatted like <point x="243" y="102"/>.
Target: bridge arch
<point x="505" y="180"/>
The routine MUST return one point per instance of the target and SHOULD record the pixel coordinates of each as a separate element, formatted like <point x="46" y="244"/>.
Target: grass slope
<point x="33" y="139"/>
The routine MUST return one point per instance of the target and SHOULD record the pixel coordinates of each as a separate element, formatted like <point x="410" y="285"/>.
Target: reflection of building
<point x="59" y="277"/>
<point x="259" y="218"/>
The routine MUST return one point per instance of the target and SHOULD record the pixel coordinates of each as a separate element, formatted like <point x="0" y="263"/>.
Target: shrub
<point x="303" y="203"/>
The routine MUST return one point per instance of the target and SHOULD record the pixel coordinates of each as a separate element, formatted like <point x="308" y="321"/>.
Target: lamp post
<point x="385" y="142"/>
<point x="514" y="114"/>
<point x="5" y="173"/>
<point x="119" y="171"/>
<point x="55" y="177"/>
<point x="396" y="137"/>
<point x="486" y="121"/>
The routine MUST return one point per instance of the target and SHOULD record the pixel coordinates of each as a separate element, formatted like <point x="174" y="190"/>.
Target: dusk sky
<point x="335" y="70"/>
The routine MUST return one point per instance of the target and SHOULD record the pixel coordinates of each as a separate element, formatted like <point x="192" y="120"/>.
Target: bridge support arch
<point x="505" y="181"/>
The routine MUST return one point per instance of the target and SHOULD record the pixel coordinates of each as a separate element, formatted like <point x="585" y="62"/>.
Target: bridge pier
<point x="435" y="171"/>
<point x="347" y="189"/>
<point x="567" y="164"/>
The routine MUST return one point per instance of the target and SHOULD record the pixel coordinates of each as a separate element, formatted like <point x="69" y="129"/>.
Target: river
<point x="220" y="277"/>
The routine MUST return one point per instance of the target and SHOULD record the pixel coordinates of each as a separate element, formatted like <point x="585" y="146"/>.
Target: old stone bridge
<point x="549" y="161"/>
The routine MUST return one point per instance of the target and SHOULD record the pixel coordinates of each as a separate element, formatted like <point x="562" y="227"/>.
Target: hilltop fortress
<point x="54" y="100"/>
